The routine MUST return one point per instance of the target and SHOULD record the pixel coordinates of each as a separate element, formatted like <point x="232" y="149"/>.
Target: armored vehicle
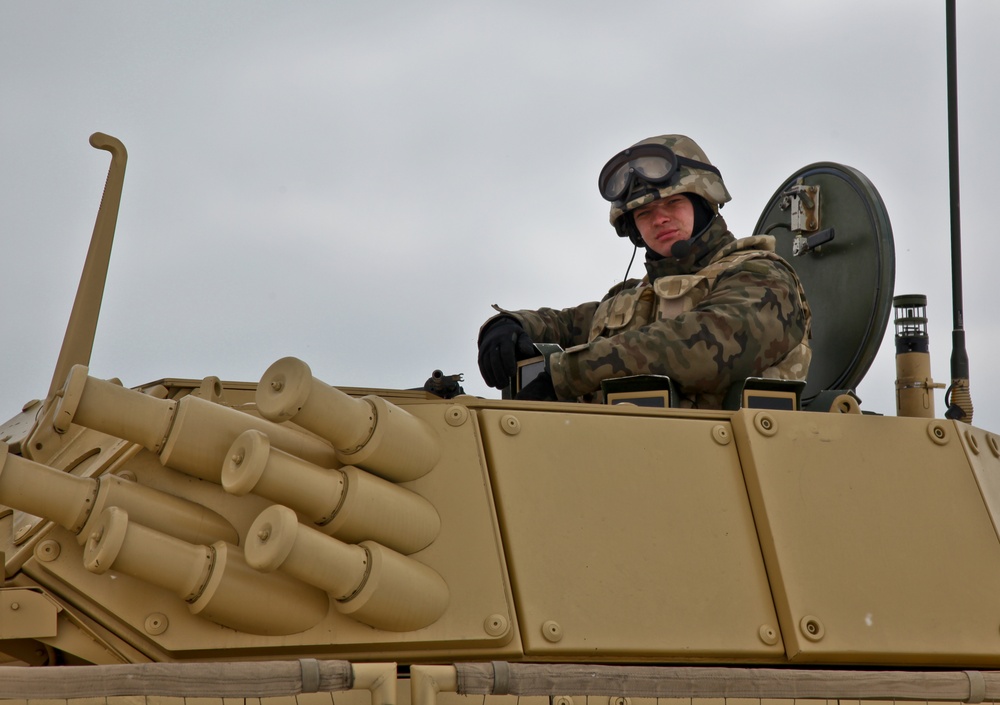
<point x="286" y="538"/>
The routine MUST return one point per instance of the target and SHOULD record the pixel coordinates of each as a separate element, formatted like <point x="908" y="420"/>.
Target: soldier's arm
<point x="567" y="327"/>
<point x="747" y="323"/>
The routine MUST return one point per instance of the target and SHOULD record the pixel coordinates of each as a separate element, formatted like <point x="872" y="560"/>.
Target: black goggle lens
<point x="653" y="163"/>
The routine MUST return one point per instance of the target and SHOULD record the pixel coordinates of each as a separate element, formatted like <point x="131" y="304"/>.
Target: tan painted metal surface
<point x="876" y="538"/>
<point x="567" y="533"/>
<point x="629" y="536"/>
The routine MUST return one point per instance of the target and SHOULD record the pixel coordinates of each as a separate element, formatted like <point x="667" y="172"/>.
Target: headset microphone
<point x="680" y="249"/>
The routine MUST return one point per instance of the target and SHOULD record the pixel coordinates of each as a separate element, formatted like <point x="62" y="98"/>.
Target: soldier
<point x="710" y="312"/>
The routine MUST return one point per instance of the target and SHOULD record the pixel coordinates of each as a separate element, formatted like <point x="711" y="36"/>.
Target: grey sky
<point x="355" y="183"/>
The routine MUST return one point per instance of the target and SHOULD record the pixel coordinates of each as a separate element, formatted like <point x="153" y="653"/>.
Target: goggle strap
<point x="697" y="165"/>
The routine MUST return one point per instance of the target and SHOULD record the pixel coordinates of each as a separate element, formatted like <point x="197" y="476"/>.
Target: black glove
<point x="539" y="389"/>
<point x="501" y="344"/>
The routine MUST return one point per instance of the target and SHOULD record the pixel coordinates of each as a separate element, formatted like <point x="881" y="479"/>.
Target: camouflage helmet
<point x="691" y="173"/>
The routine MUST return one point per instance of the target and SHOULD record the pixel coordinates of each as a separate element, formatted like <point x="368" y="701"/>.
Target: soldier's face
<point x="664" y="222"/>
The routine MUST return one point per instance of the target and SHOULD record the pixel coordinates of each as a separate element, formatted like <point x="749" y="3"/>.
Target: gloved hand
<point x="539" y="389"/>
<point x="501" y="344"/>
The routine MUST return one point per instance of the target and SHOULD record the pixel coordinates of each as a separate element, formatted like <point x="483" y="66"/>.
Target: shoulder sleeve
<point x="567" y="327"/>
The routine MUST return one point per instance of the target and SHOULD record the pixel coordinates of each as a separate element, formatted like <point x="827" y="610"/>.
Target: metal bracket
<point x="27" y="613"/>
<point x="803" y="201"/>
<point x="802" y="245"/>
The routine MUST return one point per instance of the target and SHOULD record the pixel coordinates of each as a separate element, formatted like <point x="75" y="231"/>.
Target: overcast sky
<point x="354" y="183"/>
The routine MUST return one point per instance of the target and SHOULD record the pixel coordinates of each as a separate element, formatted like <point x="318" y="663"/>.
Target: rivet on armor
<point x="15" y="606"/>
<point x="811" y="628"/>
<point x="973" y="443"/>
<point x="156" y="623"/>
<point x="619" y="700"/>
<point x="562" y="700"/>
<point x="765" y="424"/>
<point x="721" y="435"/>
<point x="496" y="625"/>
<point x="456" y="415"/>
<point x="510" y="425"/>
<point x="994" y="443"/>
<point x="47" y="550"/>
<point x="126" y="475"/>
<point x="552" y="631"/>
<point x="938" y="432"/>
<point x="768" y="634"/>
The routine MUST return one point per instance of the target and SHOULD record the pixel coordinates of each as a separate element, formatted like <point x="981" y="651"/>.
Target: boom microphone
<point x="680" y="249"/>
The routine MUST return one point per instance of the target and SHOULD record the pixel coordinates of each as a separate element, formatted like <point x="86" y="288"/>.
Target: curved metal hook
<point x="78" y="342"/>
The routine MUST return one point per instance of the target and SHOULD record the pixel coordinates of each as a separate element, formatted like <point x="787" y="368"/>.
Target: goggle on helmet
<point x="656" y="168"/>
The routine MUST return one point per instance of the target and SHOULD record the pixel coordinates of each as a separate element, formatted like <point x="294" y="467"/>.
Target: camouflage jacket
<point x="731" y="309"/>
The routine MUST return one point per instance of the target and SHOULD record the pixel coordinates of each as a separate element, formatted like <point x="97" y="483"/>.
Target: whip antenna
<point x="957" y="398"/>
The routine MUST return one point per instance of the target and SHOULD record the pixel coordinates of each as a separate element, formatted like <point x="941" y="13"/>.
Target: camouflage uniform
<point x="729" y="310"/>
